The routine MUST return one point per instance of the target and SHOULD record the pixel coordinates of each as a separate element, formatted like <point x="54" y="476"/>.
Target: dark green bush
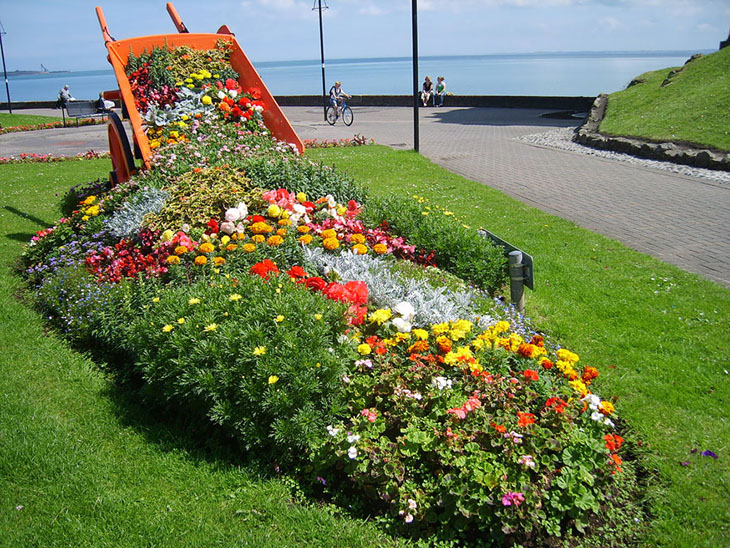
<point x="459" y="250"/>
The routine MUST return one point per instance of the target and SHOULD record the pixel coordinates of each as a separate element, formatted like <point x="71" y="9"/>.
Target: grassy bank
<point x="656" y="333"/>
<point x="83" y="463"/>
<point x="694" y="106"/>
<point x="7" y="120"/>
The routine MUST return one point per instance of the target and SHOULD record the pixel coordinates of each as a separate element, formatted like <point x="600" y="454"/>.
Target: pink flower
<point x="511" y="498"/>
<point x="370" y="414"/>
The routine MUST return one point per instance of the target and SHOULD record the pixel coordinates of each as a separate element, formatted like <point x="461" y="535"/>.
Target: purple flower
<point x="685" y="463"/>
<point x="708" y="453"/>
<point x="321" y="480"/>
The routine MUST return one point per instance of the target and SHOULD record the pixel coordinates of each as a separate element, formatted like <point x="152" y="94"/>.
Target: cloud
<point x="610" y="23"/>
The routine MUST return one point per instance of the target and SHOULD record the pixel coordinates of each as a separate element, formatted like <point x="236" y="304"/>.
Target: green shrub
<point x="459" y="250"/>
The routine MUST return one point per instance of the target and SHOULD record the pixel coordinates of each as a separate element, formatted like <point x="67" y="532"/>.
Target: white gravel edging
<point x="562" y="138"/>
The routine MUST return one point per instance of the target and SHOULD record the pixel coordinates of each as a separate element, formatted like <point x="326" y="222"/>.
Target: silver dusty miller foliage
<point x="127" y="221"/>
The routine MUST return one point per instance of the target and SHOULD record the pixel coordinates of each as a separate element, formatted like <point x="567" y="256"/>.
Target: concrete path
<point x="678" y="219"/>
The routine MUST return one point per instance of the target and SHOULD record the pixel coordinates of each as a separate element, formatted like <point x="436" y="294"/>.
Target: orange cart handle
<point x="102" y="22"/>
<point x="179" y="25"/>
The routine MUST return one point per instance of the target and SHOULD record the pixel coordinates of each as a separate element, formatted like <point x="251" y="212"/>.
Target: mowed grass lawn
<point x="89" y="465"/>
<point x="8" y="120"/>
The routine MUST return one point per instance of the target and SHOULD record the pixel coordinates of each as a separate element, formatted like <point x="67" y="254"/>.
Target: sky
<point x="65" y="34"/>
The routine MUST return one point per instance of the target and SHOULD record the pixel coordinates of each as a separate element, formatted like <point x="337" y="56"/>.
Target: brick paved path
<point x="678" y="219"/>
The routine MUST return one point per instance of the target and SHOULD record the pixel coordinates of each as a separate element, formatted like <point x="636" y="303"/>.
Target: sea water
<point x="560" y="74"/>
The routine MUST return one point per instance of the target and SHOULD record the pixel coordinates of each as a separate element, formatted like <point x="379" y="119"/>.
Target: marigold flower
<point x="329" y="233"/>
<point x="567" y="356"/>
<point x="173" y="259"/>
<point x="281" y="232"/>
<point x="231" y="247"/>
<point x="258" y="239"/>
<point x="181" y="250"/>
<point x="303" y="229"/>
<point x="200" y="260"/>
<point x="207" y="247"/>
<point x="331" y="244"/>
<point x="360" y="249"/>
<point x="381" y="316"/>
<point x="219" y="261"/>
<point x="261" y="228"/>
<point x="357" y="238"/>
<point x="275" y="240"/>
<point x="606" y="408"/>
<point x="284" y="221"/>
<point x="444" y="344"/>
<point x="579" y="387"/>
<point x="418" y="347"/>
<point x="547" y="364"/>
<point x="248" y="248"/>
<point x="589" y="373"/>
<point x="306" y="239"/>
<point x="364" y="349"/>
<point x="380" y="249"/>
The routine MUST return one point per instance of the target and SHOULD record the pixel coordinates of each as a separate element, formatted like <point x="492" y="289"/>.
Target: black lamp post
<point x="318" y="6"/>
<point x="5" y="71"/>
<point x="414" y="16"/>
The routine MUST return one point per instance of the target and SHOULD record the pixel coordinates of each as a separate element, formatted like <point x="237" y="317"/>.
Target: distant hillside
<point x="688" y="104"/>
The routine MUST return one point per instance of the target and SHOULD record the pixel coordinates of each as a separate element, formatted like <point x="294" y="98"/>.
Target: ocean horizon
<point x="583" y="73"/>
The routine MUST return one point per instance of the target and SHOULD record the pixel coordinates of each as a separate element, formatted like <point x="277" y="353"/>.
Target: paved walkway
<point x="678" y="219"/>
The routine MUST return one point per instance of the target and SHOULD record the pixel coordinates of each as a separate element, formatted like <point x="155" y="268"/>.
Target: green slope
<point x="694" y="107"/>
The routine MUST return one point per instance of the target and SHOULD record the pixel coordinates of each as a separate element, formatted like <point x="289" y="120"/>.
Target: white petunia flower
<point x="405" y="310"/>
<point x="402" y="325"/>
<point x="353" y="438"/>
<point x="333" y="431"/>
<point x="352" y="452"/>
<point x="441" y="382"/>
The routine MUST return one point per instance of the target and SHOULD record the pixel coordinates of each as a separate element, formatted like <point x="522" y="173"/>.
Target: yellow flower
<point x="567" y="356"/>
<point x="93" y="211"/>
<point x="306" y="239"/>
<point x="200" y="260"/>
<point x="275" y="240"/>
<point x="219" y="261"/>
<point x="206" y="100"/>
<point x="331" y="244"/>
<point x="318" y="317"/>
<point x="248" y="248"/>
<point x="261" y="228"/>
<point x="279" y="318"/>
<point x="85" y="218"/>
<point x="364" y="349"/>
<point x="420" y="334"/>
<point x="155" y="299"/>
<point x="302" y="197"/>
<point x="357" y="239"/>
<point x="211" y="327"/>
<point x="225" y="239"/>
<point x="501" y="327"/>
<point x="381" y="316"/>
<point x="181" y="321"/>
<point x="606" y="407"/>
<point x="273" y="379"/>
<point x="360" y="249"/>
<point x="579" y="387"/>
<point x="258" y="239"/>
<point x="235" y="297"/>
<point x="284" y="221"/>
<point x="207" y="247"/>
<point x="303" y="229"/>
<point x="173" y="259"/>
<point x="259" y="351"/>
<point x="166" y="236"/>
<point x="89" y="200"/>
<point x="168" y="328"/>
<point x="194" y="300"/>
<point x="380" y="248"/>
<point x="231" y="247"/>
<point x="341" y="210"/>
<point x="181" y="250"/>
<point x="440" y="328"/>
<point x="281" y="231"/>
<point x="329" y="233"/>
<point x="273" y="211"/>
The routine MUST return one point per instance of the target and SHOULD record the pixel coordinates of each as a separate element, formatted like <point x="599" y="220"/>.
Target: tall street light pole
<point x="414" y="16"/>
<point x="318" y="4"/>
<point x="5" y="71"/>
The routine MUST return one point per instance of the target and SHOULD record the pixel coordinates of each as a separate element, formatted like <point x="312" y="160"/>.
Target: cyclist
<point x="337" y="96"/>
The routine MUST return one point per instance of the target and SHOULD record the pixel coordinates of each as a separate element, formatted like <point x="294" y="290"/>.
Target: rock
<point x="695" y="56"/>
<point x="636" y="82"/>
<point x="702" y="159"/>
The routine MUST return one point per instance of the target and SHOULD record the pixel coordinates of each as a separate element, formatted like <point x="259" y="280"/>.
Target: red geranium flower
<point x="525" y="419"/>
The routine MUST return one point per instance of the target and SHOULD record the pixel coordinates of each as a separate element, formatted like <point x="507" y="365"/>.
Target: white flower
<point x="405" y="310"/>
<point x="408" y="518"/>
<point x="352" y="452"/>
<point x="441" y="382"/>
<point x="353" y="438"/>
<point x="593" y="401"/>
<point x="333" y="431"/>
<point x="227" y="227"/>
<point x="221" y="94"/>
<point x="608" y="422"/>
<point x="402" y="325"/>
<point x="346" y="379"/>
<point x="331" y="202"/>
<point x="233" y="214"/>
<point x="186" y="228"/>
<point x="232" y="92"/>
<point x="527" y="460"/>
<point x="259" y="108"/>
<point x="597" y="416"/>
<point x="242" y="209"/>
<point x="412" y="504"/>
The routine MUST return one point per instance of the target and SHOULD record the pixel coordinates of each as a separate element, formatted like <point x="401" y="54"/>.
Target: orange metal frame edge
<point x="274" y="118"/>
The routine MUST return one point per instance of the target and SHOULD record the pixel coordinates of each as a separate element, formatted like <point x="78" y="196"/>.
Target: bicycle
<point x="345" y="112"/>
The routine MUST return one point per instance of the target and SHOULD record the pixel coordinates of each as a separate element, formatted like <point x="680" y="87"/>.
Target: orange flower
<point x="258" y="238"/>
<point x="173" y="259"/>
<point x="306" y="239"/>
<point x="419" y="347"/>
<point x="589" y="373"/>
<point x="530" y="375"/>
<point x="444" y="344"/>
<point x="527" y="350"/>
<point x="331" y="244"/>
<point x="275" y="240"/>
<point x="207" y="247"/>
<point x="281" y="232"/>
<point x="329" y="233"/>
<point x="231" y="247"/>
<point x="613" y="442"/>
<point x="380" y="248"/>
<point x="547" y="364"/>
<point x="248" y="248"/>
<point x="360" y="249"/>
<point x="303" y="229"/>
<point x="180" y="250"/>
<point x="357" y="239"/>
<point x="261" y="228"/>
<point x="219" y="261"/>
<point x="525" y="419"/>
<point x="200" y="260"/>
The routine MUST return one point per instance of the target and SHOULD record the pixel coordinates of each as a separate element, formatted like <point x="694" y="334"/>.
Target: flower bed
<point x="50" y="125"/>
<point x="355" y="342"/>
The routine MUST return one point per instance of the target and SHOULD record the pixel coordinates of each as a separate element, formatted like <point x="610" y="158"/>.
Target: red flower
<point x="613" y="442"/>
<point x="231" y="84"/>
<point x="255" y="93"/>
<point x="264" y="268"/>
<point x="257" y="219"/>
<point x="525" y="419"/>
<point x="499" y="428"/>
<point x="558" y="404"/>
<point x="315" y="283"/>
<point x="213" y="226"/>
<point x="296" y="272"/>
<point x="357" y="292"/>
<point x="530" y="375"/>
<point x="547" y="364"/>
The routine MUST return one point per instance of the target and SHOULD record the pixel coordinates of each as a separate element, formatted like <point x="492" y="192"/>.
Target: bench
<point x="81" y="109"/>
